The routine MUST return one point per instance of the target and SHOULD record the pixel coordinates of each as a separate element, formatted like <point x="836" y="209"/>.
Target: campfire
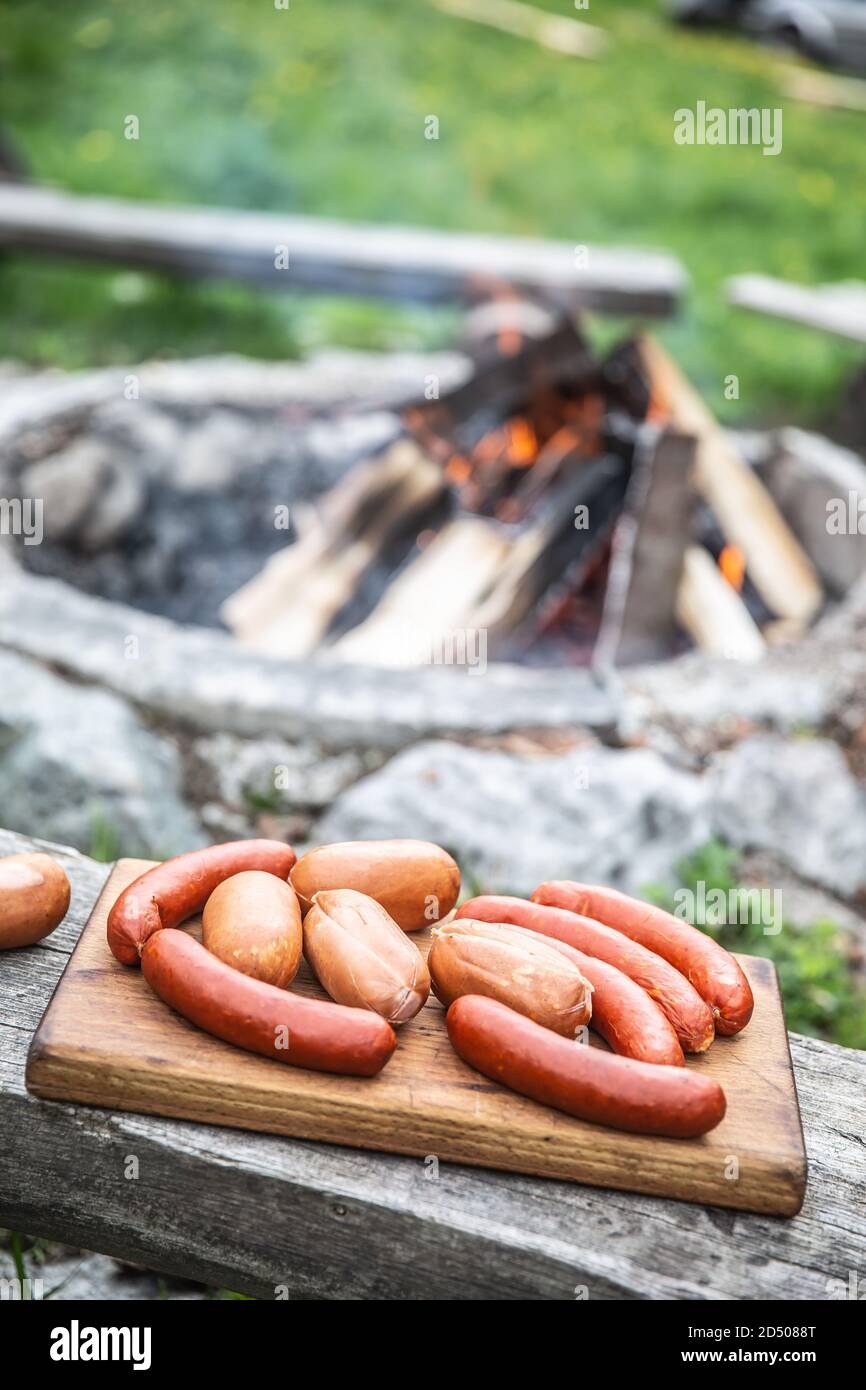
<point x="554" y="508"/>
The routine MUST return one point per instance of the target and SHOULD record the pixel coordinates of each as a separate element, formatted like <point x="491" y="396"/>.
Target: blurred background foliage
<point x="820" y="970"/>
<point x="320" y="109"/>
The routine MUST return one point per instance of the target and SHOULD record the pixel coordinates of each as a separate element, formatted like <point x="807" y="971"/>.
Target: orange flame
<point x="732" y="563"/>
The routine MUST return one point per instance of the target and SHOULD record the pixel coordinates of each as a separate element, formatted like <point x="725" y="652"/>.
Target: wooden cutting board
<point x="107" y="1040"/>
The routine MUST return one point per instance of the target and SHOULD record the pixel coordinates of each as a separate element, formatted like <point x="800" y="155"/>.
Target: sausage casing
<point x="623" y="1014"/>
<point x="520" y="968"/>
<point x="260" y="1017"/>
<point x="680" y="1002"/>
<point x="34" y="898"/>
<point x="252" y="921"/>
<point x="415" y="881"/>
<point x="170" y="892"/>
<point x="712" y="970"/>
<point x="361" y="957"/>
<point x="583" y="1081"/>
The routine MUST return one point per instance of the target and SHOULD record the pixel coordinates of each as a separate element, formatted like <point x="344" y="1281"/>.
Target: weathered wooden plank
<point x="346" y="258"/>
<point x="255" y="1212"/>
<point x="838" y="309"/>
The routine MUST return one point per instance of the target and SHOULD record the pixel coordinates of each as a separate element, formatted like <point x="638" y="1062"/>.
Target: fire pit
<point x="528" y="501"/>
<point x="251" y="577"/>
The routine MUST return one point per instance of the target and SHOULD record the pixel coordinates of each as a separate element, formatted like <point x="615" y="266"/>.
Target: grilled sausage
<point x="169" y="893"/>
<point x="252" y="921"/>
<point x="712" y="970"/>
<point x="361" y="957"/>
<point x="689" y="1016"/>
<point x="34" y="898"/>
<point x="416" y="882"/>
<point x="520" y="968"/>
<point x="583" y="1081"/>
<point x="259" y="1017"/>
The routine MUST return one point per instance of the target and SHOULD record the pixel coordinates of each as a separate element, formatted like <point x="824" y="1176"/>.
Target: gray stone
<point x="77" y="766"/>
<point x="274" y="775"/>
<point x="626" y="817"/>
<point x="42" y="400"/>
<point x="622" y="817"/>
<point x="202" y="678"/>
<point x="68" y="483"/>
<point x="212" y="453"/>
<point x="797" y="799"/>
<point x="328" y="378"/>
<point x="120" y="501"/>
<point x="137" y="428"/>
<point x="707" y="700"/>
<point x="812" y="480"/>
<point x="89" y="497"/>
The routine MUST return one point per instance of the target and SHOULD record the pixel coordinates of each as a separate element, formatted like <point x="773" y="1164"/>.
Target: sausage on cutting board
<point x="34" y="898"/>
<point x="167" y="894"/>
<point x="712" y="970"/>
<point x="252" y="921"/>
<point x="583" y="1081"/>
<point x="690" y="1018"/>
<point x="415" y="881"/>
<point x="361" y="957"/>
<point x="531" y="973"/>
<point x="630" y="1022"/>
<point x="260" y="1017"/>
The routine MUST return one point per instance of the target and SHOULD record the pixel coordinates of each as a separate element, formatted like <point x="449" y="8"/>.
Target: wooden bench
<point x="258" y="1213"/>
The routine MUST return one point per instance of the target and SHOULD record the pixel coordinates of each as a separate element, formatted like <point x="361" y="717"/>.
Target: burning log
<point x="777" y="564"/>
<point x="646" y="571"/>
<point x="288" y="607"/>
<point x="555" y="545"/>
<point x="432" y="600"/>
<point x="712" y="612"/>
<point x="508" y="371"/>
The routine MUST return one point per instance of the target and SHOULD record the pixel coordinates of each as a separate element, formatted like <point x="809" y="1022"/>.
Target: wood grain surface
<point x="107" y="1040"/>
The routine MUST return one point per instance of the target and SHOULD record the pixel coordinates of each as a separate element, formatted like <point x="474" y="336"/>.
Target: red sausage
<point x="622" y="1012"/>
<point x="630" y="1022"/>
<point x="687" y="1013"/>
<point x="169" y="893"/>
<point x="261" y="1017"/>
<point x="582" y="1081"/>
<point x="711" y="969"/>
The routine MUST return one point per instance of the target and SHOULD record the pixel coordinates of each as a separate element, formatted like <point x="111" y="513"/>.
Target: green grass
<point x="320" y="109"/>
<point x="822" y="996"/>
<point x="104" y="844"/>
